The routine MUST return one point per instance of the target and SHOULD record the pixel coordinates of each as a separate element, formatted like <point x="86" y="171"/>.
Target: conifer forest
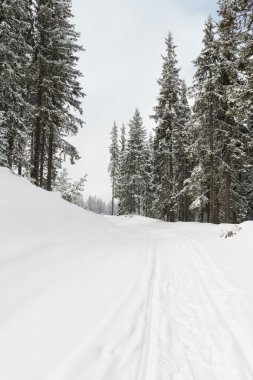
<point x="40" y="92"/>
<point x="197" y="163"/>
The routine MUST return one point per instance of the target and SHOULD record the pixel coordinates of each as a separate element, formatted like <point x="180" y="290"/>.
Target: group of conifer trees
<point x="199" y="164"/>
<point x="39" y="87"/>
<point x="130" y="168"/>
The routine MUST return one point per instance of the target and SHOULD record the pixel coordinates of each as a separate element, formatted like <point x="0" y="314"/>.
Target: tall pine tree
<point x="56" y="89"/>
<point x="133" y="169"/>
<point x="15" y="55"/>
<point x="166" y="137"/>
<point x="233" y="136"/>
<point x="114" y="163"/>
<point x="206" y="148"/>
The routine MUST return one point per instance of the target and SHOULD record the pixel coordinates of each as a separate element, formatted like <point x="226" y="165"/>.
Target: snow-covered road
<point x="84" y="297"/>
<point x="191" y="326"/>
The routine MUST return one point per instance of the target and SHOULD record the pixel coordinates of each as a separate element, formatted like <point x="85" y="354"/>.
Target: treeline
<point x="199" y="163"/>
<point x="39" y="87"/>
<point x="97" y="205"/>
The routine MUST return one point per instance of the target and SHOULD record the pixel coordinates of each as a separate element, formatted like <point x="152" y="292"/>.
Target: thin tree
<point x="114" y="163"/>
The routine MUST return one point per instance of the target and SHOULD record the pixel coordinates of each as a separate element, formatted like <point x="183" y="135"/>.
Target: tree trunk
<point x="42" y="158"/>
<point x="213" y="198"/>
<point x="113" y="197"/>
<point x="37" y="136"/>
<point x="19" y="169"/>
<point x="112" y="205"/>
<point x="50" y="158"/>
<point x="227" y="197"/>
<point x="171" y="212"/>
<point x="10" y="149"/>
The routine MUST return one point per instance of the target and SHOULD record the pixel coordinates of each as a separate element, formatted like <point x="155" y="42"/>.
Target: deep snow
<point x="119" y="298"/>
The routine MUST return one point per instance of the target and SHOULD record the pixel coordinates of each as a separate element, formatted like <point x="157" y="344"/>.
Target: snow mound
<point x="34" y="216"/>
<point x="61" y="278"/>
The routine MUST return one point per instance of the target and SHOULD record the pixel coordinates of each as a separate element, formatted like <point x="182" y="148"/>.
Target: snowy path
<point x="194" y="338"/>
<point x="188" y="332"/>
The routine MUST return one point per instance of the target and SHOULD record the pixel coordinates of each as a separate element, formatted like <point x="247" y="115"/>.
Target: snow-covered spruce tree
<point x="181" y="157"/>
<point x="114" y="163"/>
<point x="56" y="89"/>
<point x="244" y="92"/>
<point x="15" y="53"/>
<point x="122" y="178"/>
<point x="167" y="133"/>
<point x="63" y="182"/>
<point x="244" y="14"/>
<point x="206" y="148"/>
<point x="122" y="140"/>
<point x="195" y="188"/>
<point x="148" y="191"/>
<point x="135" y="167"/>
<point x="233" y="136"/>
<point x="70" y="190"/>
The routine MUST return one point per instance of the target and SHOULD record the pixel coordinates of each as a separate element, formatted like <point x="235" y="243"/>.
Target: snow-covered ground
<point x="119" y="298"/>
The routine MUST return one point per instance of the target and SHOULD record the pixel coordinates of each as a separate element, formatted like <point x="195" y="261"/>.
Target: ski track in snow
<point x="187" y="330"/>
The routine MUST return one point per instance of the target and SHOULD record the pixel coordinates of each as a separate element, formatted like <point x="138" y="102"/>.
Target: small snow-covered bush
<point x="230" y="232"/>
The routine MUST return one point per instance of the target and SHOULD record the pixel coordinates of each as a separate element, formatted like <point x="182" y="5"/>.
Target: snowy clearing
<point x="119" y="298"/>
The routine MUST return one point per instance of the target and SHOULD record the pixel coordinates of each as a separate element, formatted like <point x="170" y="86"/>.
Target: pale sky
<point x="124" y="40"/>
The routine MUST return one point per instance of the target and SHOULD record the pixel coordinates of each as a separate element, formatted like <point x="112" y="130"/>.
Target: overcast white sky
<point x="124" y="40"/>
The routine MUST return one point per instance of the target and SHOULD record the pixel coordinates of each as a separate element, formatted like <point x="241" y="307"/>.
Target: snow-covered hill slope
<point x="119" y="298"/>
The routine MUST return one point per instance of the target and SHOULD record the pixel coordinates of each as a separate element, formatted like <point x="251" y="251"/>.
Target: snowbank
<point x="61" y="276"/>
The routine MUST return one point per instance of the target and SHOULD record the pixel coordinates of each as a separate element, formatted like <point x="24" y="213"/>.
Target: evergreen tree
<point x="148" y="194"/>
<point x="206" y="147"/>
<point x="122" y="140"/>
<point x="244" y="15"/>
<point x="114" y="163"/>
<point x="167" y="133"/>
<point x="15" y="54"/>
<point x="70" y="190"/>
<point x="135" y="162"/>
<point x="56" y="89"/>
<point x="243" y="93"/>
<point x="233" y="135"/>
<point x="122" y="177"/>
<point x="181" y="156"/>
<point x="195" y="188"/>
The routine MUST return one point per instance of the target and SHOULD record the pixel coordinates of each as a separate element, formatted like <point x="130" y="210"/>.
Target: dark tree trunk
<point x="227" y="197"/>
<point x="50" y="158"/>
<point x="212" y="187"/>
<point x="36" y="152"/>
<point x="37" y="136"/>
<point x="171" y="211"/>
<point x="10" y="149"/>
<point x="42" y="159"/>
<point x="112" y="205"/>
<point x="19" y="169"/>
